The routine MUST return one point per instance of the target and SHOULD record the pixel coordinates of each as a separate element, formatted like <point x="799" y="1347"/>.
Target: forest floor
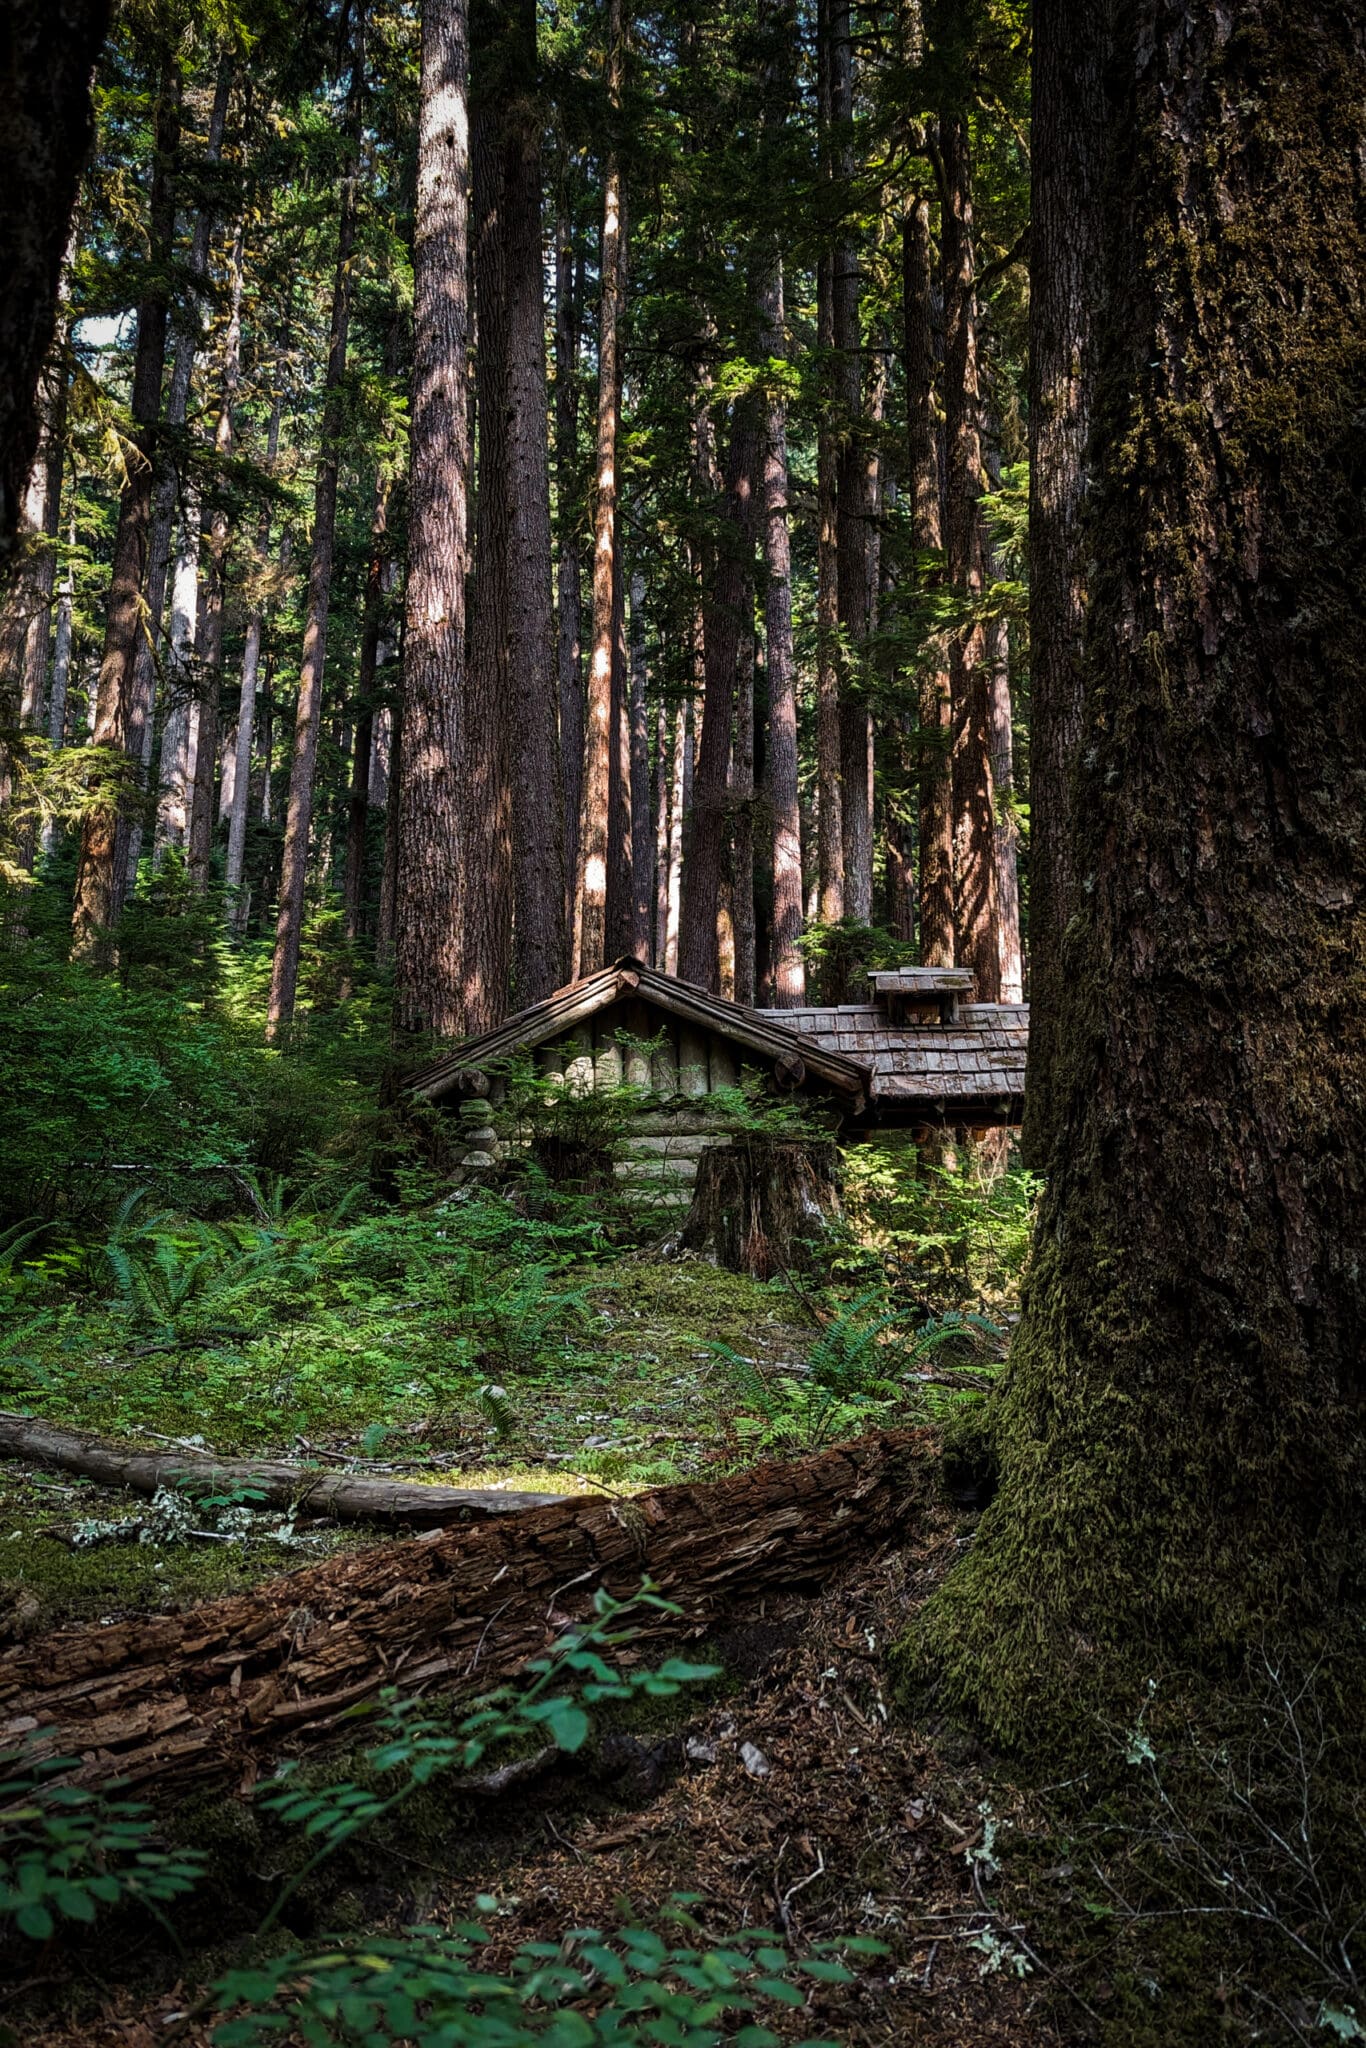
<point x="797" y="1800"/>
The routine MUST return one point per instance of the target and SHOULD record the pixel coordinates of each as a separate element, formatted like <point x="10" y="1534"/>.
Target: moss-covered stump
<point x="765" y="1206"/>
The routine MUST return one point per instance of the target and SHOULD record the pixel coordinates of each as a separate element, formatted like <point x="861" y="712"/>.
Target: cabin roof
<point x="756" y="1031"/>
<point x="892" y="1070"/>
<point x="979" y="1058"/>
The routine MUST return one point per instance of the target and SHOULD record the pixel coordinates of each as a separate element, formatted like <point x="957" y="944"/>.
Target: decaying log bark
<point x="763" y="1206"/>
<point x="347" y="1496"/>
<point x="214" y="1693"/>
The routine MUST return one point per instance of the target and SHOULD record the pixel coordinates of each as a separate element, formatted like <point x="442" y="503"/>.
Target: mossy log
<point x="218" y="1692"/>
<point x="347" y="1496"/>
<point x="762" y="1206"/>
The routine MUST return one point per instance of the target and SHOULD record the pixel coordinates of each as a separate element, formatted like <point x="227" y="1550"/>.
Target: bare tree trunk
<point x="386" y="926"/>
<point x="1070" y="140"/>
<point x="680" y="801"/>
<point x="180" y="733"/>
<point x="590" y="913"/>
<point x="851" y="520"/>
<point x="568" y="316"/>
<point x="620" y="844"/>
<point x="974" y="801"/>
<point x="937" y="947"/>
<point x="362" y="745"/>
<point x="1001" y="714"/>
<point x="204" y="811"/>
<point x="829" y="804"/>
<point x="1182" y="1453"/>
<point x="789" y="972"/>
<point x="539" y="874"/>
<point x="642" y="836"/>
<point x="45" y="134"/>
<point x="289" y="926"/>
<point x="732" y="582"/>
<point x="246" y="710"/>
<point x="61" y="649"/>
<point x="742" y="812"/>
<point x="142" y="708"/>
<point x="95" y="903"/>
<point x="429" y="907"/>
<point x="663" y="783"/>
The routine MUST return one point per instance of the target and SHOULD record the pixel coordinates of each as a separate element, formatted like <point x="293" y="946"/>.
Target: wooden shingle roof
<point x="974" y="1065"/>
<point x="979" y="1058"/>
<point x="766" y="1033"/>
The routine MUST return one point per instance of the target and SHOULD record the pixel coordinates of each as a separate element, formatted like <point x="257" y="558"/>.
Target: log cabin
<point x="918" y="1055"/>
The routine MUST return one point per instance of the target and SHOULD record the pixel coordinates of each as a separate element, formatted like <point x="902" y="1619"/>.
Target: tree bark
<point x="642" y="832"/>
<point x="663" y="783"/>
<point x="829" y="805"/>
<point x="763" y="1207"/>
<point x="180" y="732"/>
<point x="50" y="48"/>
<point x="789" y="972"/>
<point x="362" y="744"/>
<point x="680" y="802"/>
<point x="540" y="955"/>
<point x="246" y="711"/>
<point x="1183" y="1463"/>
<point x="851" y="511"/>
<point x="204" y="805"/>
<point x="590" y="911"/>
<point x="284" y="973"/>
<point x="698" y="960"/>
<point x="429" y="899"/>
<point x="1070" y="138"/>
<point x="96" y="895"/>
<point x="212" y="1694"/>
<point x="568" y="319"/>
<point x="937" y="947"/>
<point x="143" y="704"/>
<point x="742" y="808"/>
<point x="977" y="942"/>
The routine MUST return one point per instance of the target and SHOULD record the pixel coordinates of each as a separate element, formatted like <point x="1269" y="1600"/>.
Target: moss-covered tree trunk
<point x="1182" y="1469"/>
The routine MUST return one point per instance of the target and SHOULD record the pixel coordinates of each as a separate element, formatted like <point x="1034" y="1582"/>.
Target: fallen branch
<point x="347" y="1496"/>
<point x="213" y="1693"/>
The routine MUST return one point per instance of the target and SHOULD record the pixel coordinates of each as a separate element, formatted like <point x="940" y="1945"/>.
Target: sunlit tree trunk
<point x="427" y="867"/>
<point x="590" y="931"/>
<point x="936" y="714"/>
<point x="246" y="709"/>
<point x="829" y="808"/>
<point x="204" y="808"/>
<point x="284" y="977"/>
<point x="96" y="893"/>
<point x="1183" y="1461"/>
<point x="789" y="973"/>
<point x="974" y="802"/>
<point x="680" y="799"/>
<point x="642" y="834"/>
<point x="568" y="316"/>
<point x="362" y="744"/>
<point x="180" y="732"/>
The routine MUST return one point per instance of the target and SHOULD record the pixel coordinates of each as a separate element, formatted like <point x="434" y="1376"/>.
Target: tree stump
<point x="765" y="1206"/>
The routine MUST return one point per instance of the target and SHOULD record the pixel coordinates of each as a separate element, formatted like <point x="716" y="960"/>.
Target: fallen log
<point x="216" y="1692"/>
<point x="347" y="1496"/>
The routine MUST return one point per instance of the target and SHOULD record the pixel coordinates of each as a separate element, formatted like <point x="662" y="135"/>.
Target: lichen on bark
<point x="1182" y="1463"/>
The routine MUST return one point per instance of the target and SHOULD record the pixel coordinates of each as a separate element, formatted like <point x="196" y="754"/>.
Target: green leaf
<point x="35" y="1922"/>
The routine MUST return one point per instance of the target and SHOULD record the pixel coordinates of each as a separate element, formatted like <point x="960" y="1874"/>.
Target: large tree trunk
<point x="789" y="972"/>
<point x="732" y="591"/>
<point x="568" y="316"/>
<point x="48" y="50"/>
<point x="1068" y="154"/>
<point x="937" y="947"/>
<point x="590" y="908"/>
<point x="216" y="1693"/>
<point x="363" y="740"/>
<point x="204" y="806"/>
<point x="1183" y="1459"/>
<point x="289" y="926"/>
<point x="642" y="831"/>
<point x="180" y="732"/>
<point x="96" y="893"/>
<point x="486" y="778"/>
<point x="143" y="705"/>
<point x="829" y="807"/>
<point x="680" y="802"/>
<point x="246" y="710"/>
<point x="540" y="956"/>
<point x="851" y="523"/>
<point x="974" y="801"/>
<point x="429" y="897"/>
